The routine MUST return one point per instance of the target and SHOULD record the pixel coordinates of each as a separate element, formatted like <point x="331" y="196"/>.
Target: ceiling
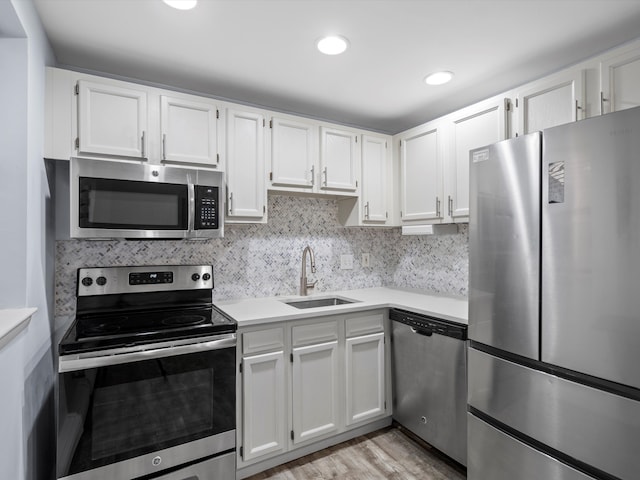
<point x="262" y="52"/>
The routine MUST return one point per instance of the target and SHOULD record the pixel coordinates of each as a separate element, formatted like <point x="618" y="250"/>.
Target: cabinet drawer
<point x="314" y="333"/>
<point x="262" y="341"/>
<point x="364" y="324"/>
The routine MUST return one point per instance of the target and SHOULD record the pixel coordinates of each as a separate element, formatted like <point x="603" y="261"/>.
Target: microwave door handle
<point x="192" y="206"/>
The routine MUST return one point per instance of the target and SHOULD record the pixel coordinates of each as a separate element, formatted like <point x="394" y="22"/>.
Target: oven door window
<point x="124" y="411"/>
<point x="127" y="204"/>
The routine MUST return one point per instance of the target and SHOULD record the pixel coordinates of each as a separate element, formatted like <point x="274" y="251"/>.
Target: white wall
<point x="27" y="441"/>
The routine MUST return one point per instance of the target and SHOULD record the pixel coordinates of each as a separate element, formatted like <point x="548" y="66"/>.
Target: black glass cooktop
<point x="99" y="331"/>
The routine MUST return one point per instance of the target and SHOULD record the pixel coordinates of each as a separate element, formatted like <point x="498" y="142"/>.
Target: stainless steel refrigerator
<point x="554" y="312"/>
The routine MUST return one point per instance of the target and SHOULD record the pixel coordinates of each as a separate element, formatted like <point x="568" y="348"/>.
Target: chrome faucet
<point x="304" y="285"/>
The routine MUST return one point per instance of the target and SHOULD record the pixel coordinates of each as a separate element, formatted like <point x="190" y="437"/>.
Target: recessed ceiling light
<point x="438" y="78"/>
<point x="332" y="45"/>
<point x="181" y="4"/>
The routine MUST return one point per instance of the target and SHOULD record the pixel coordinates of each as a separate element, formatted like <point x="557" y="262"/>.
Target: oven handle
<point x="85" y="361"/>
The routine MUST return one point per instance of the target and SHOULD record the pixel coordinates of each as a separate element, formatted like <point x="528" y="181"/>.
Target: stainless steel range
<point x="146" y="384"/>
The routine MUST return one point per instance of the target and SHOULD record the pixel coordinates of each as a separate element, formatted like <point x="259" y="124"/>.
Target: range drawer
<point x="592" y="426"/>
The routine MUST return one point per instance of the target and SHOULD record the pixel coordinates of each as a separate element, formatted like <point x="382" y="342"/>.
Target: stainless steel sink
<point x="319" y="302"/>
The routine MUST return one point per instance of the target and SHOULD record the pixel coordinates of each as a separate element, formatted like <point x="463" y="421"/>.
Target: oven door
<point x="125" y="414"/>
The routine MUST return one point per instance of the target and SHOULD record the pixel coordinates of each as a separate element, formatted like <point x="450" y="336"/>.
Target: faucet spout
<point x="304" y="285"/>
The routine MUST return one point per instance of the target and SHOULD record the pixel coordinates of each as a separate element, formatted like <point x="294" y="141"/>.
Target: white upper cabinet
<point x="421" y="174"/>
<point x="293" y="153"/>
<point x="476" y="126"/>
<point x="620" y="81"/>
<point x="189" y="131"/>
<point x="338" y="159"/>
<point x="112" y="120"/>
<point x="246" y="189"/>
<point x="374" y="179"/>
<point x="552" y="101"/>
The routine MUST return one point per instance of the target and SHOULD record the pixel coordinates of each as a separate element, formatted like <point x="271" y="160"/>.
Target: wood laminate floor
<point x="384" y="454"/>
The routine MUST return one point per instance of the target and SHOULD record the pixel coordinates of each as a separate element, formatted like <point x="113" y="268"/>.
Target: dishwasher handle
<point x="421" y="331"/>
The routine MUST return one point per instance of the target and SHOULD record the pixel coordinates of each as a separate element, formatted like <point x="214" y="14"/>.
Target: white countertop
<point x="13" y="321"/>
<point x="255" y="311"/>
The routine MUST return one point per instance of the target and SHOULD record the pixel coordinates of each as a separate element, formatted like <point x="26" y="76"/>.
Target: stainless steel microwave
<point x="112" y="199"/>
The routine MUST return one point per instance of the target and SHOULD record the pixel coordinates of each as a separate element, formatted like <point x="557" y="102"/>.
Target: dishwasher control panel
<point x="428" y="325"/>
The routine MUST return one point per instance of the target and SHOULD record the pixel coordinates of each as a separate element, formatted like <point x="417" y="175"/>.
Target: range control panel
<point x="115" y="280"/>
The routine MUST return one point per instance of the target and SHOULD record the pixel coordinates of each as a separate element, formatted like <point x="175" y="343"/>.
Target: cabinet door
<point x="292" y="153"/>
<point x="245" y="165"/>
<point x="470" y="128"/>
<point x="111" y="120"/>
<point x="263" y="407"/>
<point x="365" y="386"/>
<point x="337" y="159"/>
<point x="553" y="101"/>
<point x="421" y="180"/>
<point x="189" y="131"/>
<point x="315" y="391"/>
<point x="374" y="179"/>
<point x="620" y="82"/>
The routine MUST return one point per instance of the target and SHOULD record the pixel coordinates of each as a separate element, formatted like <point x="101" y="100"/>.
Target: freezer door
<point x="597" y="428"/>
<point x="497" y="456"/>
<point x="591" y="247"/>
<point x="504" y="245"/>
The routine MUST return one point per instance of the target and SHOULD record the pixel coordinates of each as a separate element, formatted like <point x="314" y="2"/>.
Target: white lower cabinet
<point x="314" y="382"/>
<point x="308" y="381"/>
<point x="365" y="392"/>
<point x="263" y="408"/>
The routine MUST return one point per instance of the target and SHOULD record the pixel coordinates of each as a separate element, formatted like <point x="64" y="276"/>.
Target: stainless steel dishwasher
<point x="429" y="361"/>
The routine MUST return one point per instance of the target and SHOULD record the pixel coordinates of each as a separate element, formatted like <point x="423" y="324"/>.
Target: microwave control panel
<point x="206" y="208"/>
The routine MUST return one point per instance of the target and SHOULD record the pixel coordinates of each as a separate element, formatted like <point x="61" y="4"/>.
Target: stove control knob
<point x="206" y="277"/>
<point x="87" y="281"/>
<point x="195" y="277"/>
<point x="101" y="281"/>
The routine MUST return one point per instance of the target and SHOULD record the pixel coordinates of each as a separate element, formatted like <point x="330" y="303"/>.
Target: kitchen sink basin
<point x="319" y="302"/>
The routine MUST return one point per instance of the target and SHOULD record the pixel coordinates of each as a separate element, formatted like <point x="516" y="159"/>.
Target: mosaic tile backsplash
<point x="265" y="260"/>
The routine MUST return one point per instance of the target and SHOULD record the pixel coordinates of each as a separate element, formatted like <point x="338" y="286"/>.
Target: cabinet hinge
<point x="270" y="123"/>
<point x="242" y="452"/>
<point x="77" y="143"/>
<point x="217" y="113"/>
<point x="76" y="89"/>
<point x="292" y="435"/>
<point x="271" y="176"/>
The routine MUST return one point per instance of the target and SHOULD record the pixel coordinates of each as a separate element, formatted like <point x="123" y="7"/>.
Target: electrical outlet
<point x="346" y="262"/>
<point x="366" y="260"/>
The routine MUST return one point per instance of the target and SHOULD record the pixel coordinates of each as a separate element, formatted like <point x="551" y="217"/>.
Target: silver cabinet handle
<point x="578" y="108"/>
<point x="231" y="203"/>
<point x="366" y="211"/>
<point x="438" y="207"/>
<point x="602" y="100"/>
<point x="164" y="146"/>
<point x="450" y="205"/>
<point x="313" y="175"/>
<point x="324" y="173"/>
<point x="143" y="147"/>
